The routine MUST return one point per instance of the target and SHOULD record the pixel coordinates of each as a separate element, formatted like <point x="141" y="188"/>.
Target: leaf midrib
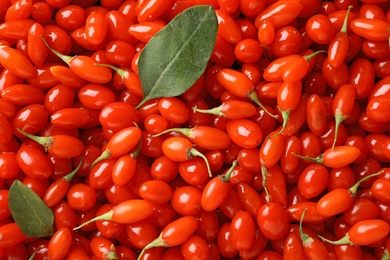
<point x="153" y="89"/>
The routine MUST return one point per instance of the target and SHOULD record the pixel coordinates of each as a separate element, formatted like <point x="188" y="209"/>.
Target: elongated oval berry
<point x="174" y="234"/>
<point x="121" y="142"/>
<point x="16" y="62"/>
<point x="231" y="109"/>
<point x="61" y="146"/>
<point x="244" y="132"/>
<point x="132" y="211"/>
<point x="205" y="137"/>
<point x="59" y="244"/>
<point x="126" y="212"/>
<point x="11" y="235"/>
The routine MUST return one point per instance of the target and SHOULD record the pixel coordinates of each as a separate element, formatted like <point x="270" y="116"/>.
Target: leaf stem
<point x="119" y="71"/>
<point x="143" y="101"/>
<point x="105" y="216"/>
<point x="194" y="152"/>
<point x="339" y="118"/>
<point x="103" y="156"/>
<point x="304" y="237"/>
<point x="312" y="55"/>
<point x="342" y="241"/>
<point x="226" y="176"/>
<point x="211" y="111"/>
<point x="64" y="58"/>
<point x="155" y="243"/>
<point x="35" y="252"/>
<point x="45" y="141"/>
<point x="184" y="131"/>
<point x="354" y="188"/>
<point x="345" y="23"/>
<point x="252" y="96"/>
<point x="138" y="150"/>
<point x="318" y="159"/>
<point x="386" y="255"/>
<point x="264" y="172"/>
<point x="69" y="176"/>
<point x="112" y="255"/>
<point x="285" y="115"/>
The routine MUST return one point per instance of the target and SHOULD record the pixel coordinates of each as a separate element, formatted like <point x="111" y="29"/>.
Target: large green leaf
<point x="177" y="55"/>
<point x="31" y="214"/>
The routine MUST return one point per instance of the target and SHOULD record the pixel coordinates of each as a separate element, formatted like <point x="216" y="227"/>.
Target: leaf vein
<point x="164" y="72"/>
<point x="33" y="210"/>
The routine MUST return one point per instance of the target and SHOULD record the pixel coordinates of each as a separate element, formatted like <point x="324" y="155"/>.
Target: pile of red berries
<point x="279" y="150"/>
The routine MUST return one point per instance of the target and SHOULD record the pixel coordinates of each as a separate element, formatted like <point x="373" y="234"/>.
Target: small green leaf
<point x="31" y="214"/>
<point x="177" y="55"/>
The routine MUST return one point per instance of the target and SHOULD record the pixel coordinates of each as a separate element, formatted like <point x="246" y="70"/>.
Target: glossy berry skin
<point x="123" y="141"/>
<point x="8" y="165"/>
<point x="12" y="235"/>
<point x="266" y="32"/>
<point x="250" y="199"/>
<point x="253" y="134"/>
<point x="102" y="247"/>
<point x="236" y="109"/>
<point x="141" y="233"/>
<point x="16" y="62"/>
<point x="369" y="231"/>
<point x="5" y="212"/>
<point x="274" y="71"/>
<point x="372" y="29"/>
<point x="59" y="244"/>
<point x="273" y="220"/>
<point x="311" y="215"/>
<point x="96" y="28"/>
<point x="179" y="231"/>
<point x="131" y="211"/>
<point x="378" y="189"/>
<point x="64" y="215"/>
<point x="195" y="247"/>
<point x="151" y="10"/>
<point x="96" y="74"/>
<point x="118" y="115"/>
<point x="186" y="200"/>
<point x="286" y="13"/>
<point x="230" y="78"/>
<point x="56" y="191"/>
<point x="208" y="225"/>
<point x="325" y="205"/>
<point x="64" y="146"/>
<point x="293" y="246"/>
<point x="314" y="248"/>
<point x="270" y="151"/>
<point x="124" y="169"/>
<point x="177" y="148"/>
<point x="81" y="196"/>
<point x="348" y="153"/>
<point x="360" y="209"/>
<point x="34" y="162"/>
<point x="375" y="109"/>
<point x="242" y="231"/>
<point x="206" y="137"/>
<point x="312" y="182"/>
<point x="95" y="96"/>
<point x="170" y="107"/>
<point x="214" y="193"/>
<point x="108" y="228"/>
<point x="320" y="29"/>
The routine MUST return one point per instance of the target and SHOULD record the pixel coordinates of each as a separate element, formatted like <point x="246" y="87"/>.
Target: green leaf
<point x="177" y="55"/>
<point x="31" y="214"/>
